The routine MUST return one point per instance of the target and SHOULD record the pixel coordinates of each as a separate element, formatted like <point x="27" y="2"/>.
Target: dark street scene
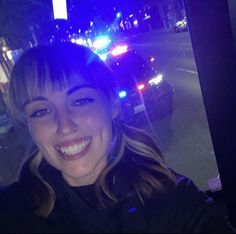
<point x="147" y="44"/>
<point x="149" y="29"/>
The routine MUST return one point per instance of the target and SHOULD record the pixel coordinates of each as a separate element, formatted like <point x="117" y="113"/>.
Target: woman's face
<point x="72" y="128"/>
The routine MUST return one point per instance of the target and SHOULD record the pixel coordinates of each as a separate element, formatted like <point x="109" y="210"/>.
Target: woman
<point x="90" y="172"/>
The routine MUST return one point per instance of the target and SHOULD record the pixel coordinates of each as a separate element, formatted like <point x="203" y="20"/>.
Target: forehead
<point x="67" y="88"/>
<point x="39" y="85"/>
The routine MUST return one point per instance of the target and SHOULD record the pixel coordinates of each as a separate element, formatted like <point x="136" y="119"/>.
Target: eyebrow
<point x="78" y="87"/>
<point x="69" y="92"/>
<point x="39" y="98"/>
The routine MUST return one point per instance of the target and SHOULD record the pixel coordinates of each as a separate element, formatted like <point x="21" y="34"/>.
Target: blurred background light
<point x="103" y="56"/>
<point x="141" y="86"/>
<point x="59" y="9"/>
<point x="122" y="94"/>
<point x="156" y="80"/>
<point x="120" y="49"/>
<point x="101" y="42"/>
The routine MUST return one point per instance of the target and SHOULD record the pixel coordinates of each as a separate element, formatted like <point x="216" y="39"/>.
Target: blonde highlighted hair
<point x="151" y="174"/>
<point x="53" y="67"/>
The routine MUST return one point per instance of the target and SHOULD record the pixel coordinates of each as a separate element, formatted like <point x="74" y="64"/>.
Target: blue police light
<point x="101" y="42"/>
<point x="122" y="94"/>
<point x="118" y="15"/>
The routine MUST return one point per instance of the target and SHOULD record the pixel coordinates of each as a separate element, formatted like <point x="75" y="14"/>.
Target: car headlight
<point x="156" y="80"/>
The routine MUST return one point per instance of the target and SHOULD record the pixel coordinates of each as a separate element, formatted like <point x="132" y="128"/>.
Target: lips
<point x="74" y="149"/>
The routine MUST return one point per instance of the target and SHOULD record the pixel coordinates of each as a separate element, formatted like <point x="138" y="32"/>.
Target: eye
<point x="82" y="101"/>
<point x="40" y="113"/>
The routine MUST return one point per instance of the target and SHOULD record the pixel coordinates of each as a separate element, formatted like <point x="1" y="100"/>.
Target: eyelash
<point x="44" y="111"/>
<point x="82" y="101"/>
<point x="40" y="113"/>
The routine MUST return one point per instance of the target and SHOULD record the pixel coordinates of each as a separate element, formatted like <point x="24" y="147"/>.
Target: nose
<point x="65" y="124"/>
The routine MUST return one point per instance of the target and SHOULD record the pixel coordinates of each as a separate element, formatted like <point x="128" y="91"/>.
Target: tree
<point x="21" y="21"/>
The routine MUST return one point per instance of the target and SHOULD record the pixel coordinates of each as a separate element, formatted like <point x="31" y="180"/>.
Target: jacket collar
<point x="117" y="182"/>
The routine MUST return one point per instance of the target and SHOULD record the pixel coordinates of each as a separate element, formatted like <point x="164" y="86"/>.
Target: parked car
<point x="143" y="92"/>
<point x="181" y="25"/>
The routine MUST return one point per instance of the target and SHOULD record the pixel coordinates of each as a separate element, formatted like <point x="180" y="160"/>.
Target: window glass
<point x="183" y="135"/>
<point x="156" y="74"/>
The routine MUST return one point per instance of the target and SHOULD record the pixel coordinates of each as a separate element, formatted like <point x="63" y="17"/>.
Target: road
<point x="188" y="147"/>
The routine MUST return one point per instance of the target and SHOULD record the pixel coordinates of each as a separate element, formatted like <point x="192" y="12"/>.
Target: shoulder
<point x="185" y="187"/>
<point x="186" y="207"/>
<point x="189" y="199"/>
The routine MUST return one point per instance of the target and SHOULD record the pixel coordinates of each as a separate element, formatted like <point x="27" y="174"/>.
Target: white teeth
<point x="74" y="149"/>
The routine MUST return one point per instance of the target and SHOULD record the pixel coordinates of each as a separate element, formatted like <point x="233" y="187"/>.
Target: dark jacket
<point x="182" y="209"/>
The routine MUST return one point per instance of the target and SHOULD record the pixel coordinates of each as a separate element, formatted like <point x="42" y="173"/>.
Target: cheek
<point x="40" y="133"/>
<point x="100" y="119"/>
<point x="104" y="128"/>
<point x="99" y="124"/>
<point x="95" y="118"/>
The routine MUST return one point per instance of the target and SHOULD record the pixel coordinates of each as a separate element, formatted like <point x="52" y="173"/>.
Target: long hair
<point x="54" y="66"/>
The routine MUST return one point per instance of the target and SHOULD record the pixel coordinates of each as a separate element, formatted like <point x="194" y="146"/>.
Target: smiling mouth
<point x="75" y="150"/>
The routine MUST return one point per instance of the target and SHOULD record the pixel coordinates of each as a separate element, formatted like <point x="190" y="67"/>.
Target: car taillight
<point x="141" y="86"/>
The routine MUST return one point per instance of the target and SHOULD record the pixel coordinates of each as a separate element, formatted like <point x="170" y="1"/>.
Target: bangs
<point x="44" y="78"/>
<point x="53" y="68"/>
<point x="37" y="78"/>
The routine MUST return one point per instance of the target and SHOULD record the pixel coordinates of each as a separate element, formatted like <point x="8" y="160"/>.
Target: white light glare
<point x="152" y="59"/>
<point x="103" y="56"/>
<point x="80" y="41"/>
<point x="4" y="48"/>
<point x="120" y="49"/>
<point x="156" y="80"/>
<point x="89" y="42"/>
<point x="9" y="54"/>
<point x="135" y="22"/>
<point x="59" y="9"/>
<point x="101" y="42"/>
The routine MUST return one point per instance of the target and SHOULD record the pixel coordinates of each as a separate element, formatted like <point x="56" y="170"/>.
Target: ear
<point x="115" y="108"/>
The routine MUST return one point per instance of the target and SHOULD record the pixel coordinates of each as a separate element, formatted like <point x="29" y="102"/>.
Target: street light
<point x="59" y="9"/>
